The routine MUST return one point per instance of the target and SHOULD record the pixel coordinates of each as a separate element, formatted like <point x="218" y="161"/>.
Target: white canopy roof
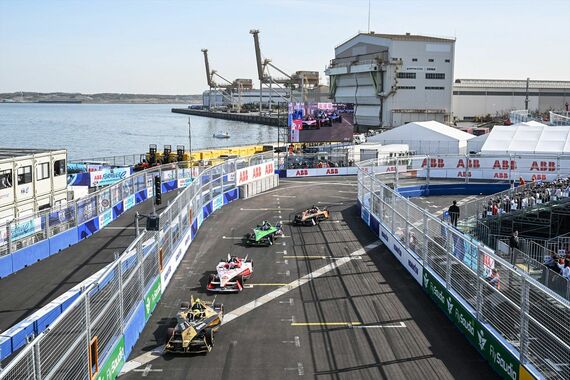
<point x="526" y="138"/>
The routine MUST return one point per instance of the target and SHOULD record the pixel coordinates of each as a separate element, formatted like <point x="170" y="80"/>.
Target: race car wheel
<point x="239" y="280"/>
<point x="185" y="305"/>
<point x="270" y="240"/>
<point x="169" y="333"/>
<point x="211" y="278"/>
<point x="314" y="222"/>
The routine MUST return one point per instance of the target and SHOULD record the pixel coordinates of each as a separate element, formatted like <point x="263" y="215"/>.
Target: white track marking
<point x="118" y="228"/>
<point x="285" y="196"/>
<point x="250" y="306"/>
<point x="265" y="209"/>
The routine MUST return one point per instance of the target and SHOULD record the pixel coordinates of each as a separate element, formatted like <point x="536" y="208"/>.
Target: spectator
<point x="514" y="246"/>
<point x="565" y="270"/>
<point x="453" y="213"/>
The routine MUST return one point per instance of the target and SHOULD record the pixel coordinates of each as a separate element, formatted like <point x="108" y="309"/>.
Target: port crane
<point x="299" y="80"/>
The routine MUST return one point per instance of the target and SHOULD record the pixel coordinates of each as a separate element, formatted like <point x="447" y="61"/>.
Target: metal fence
<point x="81" y="339"/>
<point x="530" y="317"/>
<point x="25" y="231"/>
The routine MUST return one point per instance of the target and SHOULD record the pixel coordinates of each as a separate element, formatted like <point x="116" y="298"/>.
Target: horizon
<point x="153" y="47"/>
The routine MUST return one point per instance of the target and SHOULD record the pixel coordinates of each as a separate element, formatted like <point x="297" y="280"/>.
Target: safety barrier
<point x="520" y="327"/>
<point x="27" y="240"/>
<point x="96" y="331"/>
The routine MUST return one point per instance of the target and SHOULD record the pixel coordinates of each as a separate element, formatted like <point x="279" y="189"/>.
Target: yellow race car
<point x="196" y="323"/>
<point x="311" y="216"/>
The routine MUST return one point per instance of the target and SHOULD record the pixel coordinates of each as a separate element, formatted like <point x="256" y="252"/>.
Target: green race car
<point x="263" y="235"/>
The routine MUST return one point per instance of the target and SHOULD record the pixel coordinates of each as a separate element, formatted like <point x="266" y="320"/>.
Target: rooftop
<point x="21" y="152"/>
<point x="510" y="83"/>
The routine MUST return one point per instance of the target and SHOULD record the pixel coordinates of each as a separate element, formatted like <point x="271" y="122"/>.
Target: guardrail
<point x="92" y="337"/>
<point x="515" y="323"/>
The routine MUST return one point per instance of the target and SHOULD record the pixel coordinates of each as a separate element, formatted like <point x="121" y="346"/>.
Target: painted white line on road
<point x="265" y="209"/>
<point x="349" y="192"/>
<point x="390" y="326"/>
<point x="332" y="204"/>
<point x="250" y="306"/>
<point x="232" y="237"/>
<point x="285" y="196"/>
<point x="119" y="228"/>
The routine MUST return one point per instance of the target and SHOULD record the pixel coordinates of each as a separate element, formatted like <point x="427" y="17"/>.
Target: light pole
<point x="190" y="143"/>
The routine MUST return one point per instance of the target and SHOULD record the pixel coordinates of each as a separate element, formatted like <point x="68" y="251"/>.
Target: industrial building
<point x="479" y="97"/>
<point x="394" y="79"/>
<point x="218" y="98"/>
<point x="31" y="180"/>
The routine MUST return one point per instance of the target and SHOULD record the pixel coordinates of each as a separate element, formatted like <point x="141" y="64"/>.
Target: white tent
<point x="426" y="137"/>
<point x="528" y="138"/>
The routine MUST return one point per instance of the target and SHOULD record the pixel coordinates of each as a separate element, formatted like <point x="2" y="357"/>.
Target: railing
<point x="498" y="308"/>
<point x="105" y="320"/>
<point x="25" y="231"/>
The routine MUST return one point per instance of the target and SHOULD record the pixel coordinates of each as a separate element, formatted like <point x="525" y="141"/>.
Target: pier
<point x="245" y="117"/>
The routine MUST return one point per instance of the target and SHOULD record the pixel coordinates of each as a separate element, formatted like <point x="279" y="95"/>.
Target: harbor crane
<point x="300" y="80"/>
<point x="227" y="89"/>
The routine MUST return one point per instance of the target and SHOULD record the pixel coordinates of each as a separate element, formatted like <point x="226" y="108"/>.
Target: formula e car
<point x="263" y="235"/>
<point x="310" y="122"/>
<point x="231" y="274"/>
<point x="311" y="216"/>
<point x="195" y="325"/>
<point x="335" y="116"/>
<point x="322" y="119"/>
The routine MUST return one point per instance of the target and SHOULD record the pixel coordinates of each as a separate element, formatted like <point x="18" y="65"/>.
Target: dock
<point x="244" y="117"/>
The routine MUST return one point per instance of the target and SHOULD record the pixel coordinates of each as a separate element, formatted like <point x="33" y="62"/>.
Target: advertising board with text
<point x="252" y="173"/>
<point x="320" y="122"/>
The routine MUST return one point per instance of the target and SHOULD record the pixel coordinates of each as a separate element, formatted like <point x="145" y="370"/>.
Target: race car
<point x="322" y="119"/>
<point x="310" y="122"/>
<point x="196" y="323"/>
<point x="311" y="216"/>
<point x="231" y="274"/>
<point x="334" y="116"/>
<point x="263" y="235"/>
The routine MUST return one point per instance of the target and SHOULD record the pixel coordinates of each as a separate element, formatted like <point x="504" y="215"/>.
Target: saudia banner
<point x="108" y="177"/>
<point x="501" y="359"/>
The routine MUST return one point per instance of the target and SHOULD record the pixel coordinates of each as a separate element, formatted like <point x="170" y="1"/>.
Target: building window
<point x="430" y="60"/>
<point x="24" y="175"/>
<point x="435" y="75"/>
<point x="447" y="60"/>
<point x="406" y="75"/>
<point x="430" y="69"/>
<point x="435" y="88"/>
<point x="42" y="171"/>
<point x="414" y="59"/>
<point x="5" y="179"/>
<point x="406" y="87"/>
<point x="58" y="168"/>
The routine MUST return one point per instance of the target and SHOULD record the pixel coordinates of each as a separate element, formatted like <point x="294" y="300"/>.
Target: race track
<point x="355" y="313"/>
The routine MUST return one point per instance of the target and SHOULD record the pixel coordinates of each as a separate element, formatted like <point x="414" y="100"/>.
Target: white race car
<point x="231" y="274"/>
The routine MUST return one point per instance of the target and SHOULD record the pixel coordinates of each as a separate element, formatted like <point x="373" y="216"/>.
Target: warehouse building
<point x="479" y="97"/>
<point x="394" y="79"/>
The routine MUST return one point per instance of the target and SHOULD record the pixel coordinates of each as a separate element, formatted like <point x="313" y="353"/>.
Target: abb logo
<point x="543" y="166"/>
<point x="269" y="169"/>
<point x="505" y="164"/>
<point x="464" y="174"/>
<point x="391" y="169"/>
<point x="332" y="171"/>
<point x="501" y="175"/>
<point x="302" y="172"/>
<point x="257" y="172"/>
<point x="243" y="176"/>
<point x="433" y="163"/>
<point x="538" y="177"/>
<point x="470" y="163"/>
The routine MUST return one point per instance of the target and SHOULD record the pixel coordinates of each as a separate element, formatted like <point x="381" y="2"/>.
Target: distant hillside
<point x="54" y="97"/>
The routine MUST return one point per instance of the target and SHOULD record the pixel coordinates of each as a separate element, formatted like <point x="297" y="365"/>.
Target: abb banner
<point x="321" y="172"/>
<point x="540" y="169"/>
<point x="252" y="173"/>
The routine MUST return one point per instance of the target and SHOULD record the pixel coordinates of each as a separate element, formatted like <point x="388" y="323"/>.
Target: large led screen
<point x="320" y="122"/>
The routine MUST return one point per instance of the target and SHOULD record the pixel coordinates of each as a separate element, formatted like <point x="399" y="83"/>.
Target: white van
<point x="359" y="138"/>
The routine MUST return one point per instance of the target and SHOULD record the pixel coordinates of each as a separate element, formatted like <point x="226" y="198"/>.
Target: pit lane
<point x="356" y="313"/>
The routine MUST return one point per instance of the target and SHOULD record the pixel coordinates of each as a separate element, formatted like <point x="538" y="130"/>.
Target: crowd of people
<point x="536" y="193"/>
<point x="312" y="164"/>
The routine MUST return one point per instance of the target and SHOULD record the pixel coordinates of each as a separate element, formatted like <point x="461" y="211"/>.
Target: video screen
<point x="320" y="122"/>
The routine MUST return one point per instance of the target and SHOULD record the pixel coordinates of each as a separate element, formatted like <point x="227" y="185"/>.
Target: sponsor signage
<point x="151" y="297"/>
<point x="129" y="202"/>
<point x="105" y="218"/>
<point x="108" y="177"/>
<point x="321" y="172"/>
<point x="183" y="182"/>
<point x="22" y="229"/>
<point x="218" y="202"/>
<point x="112" y="366"/>
<point x="365" y="215"/>
<point x="486" y="343"/>
<point x="545" y="169"/>
<point x="252" y="173"/>
<point x="399" y="251"/>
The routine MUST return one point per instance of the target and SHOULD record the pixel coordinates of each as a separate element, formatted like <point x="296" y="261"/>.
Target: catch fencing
<point x="516" y="323"/>
<point x="93" y="336"/>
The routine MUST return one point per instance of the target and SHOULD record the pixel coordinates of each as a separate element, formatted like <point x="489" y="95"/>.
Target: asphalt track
<point x="359" y="315"/>
<point x="25" y="291"/>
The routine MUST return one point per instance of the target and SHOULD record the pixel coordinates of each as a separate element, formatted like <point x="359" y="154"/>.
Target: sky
<point x="154" y="47"/>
